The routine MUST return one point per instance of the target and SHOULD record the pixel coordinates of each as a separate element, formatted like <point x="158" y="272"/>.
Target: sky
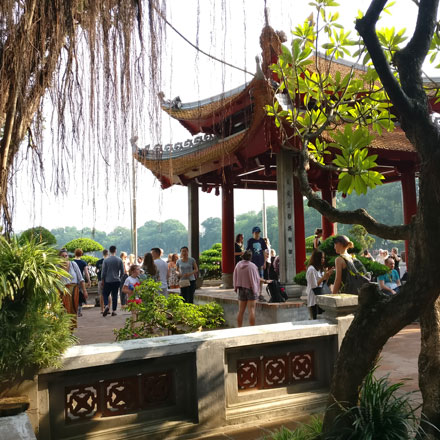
<point x="228" y="29"/>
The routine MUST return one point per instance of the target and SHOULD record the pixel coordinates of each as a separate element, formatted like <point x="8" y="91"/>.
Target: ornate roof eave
<point x="201" y="116"/>
<point x="173" y="164"/>
<point x="192" y="158"/>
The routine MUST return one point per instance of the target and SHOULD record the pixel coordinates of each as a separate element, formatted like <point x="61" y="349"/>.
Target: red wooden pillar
<point x="300" y="234"/>
<point x="328" y="228"/>
<point x="227" y="235"/>
<point x="409" y="198"/>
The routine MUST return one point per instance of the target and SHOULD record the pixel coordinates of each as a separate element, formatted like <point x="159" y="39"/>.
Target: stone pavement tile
<point x="93" y="328"/>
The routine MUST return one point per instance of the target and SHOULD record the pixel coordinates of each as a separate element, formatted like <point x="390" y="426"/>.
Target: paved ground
<point x="398" y="360"/>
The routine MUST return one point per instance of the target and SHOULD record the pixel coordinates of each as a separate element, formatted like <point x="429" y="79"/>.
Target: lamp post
<point x="134" y="248"/>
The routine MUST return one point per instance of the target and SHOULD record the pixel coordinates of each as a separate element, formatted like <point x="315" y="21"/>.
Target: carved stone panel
<point x="248" y="374"/>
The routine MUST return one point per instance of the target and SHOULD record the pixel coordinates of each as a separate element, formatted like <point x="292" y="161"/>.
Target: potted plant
<point x="35" y="329"/>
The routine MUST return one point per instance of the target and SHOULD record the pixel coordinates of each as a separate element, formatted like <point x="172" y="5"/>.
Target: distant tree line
<point x="171" y="235"/>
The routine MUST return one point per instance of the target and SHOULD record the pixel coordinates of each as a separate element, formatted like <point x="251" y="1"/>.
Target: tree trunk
<point x="378" y="318"/>
<point x="429" y="368"/>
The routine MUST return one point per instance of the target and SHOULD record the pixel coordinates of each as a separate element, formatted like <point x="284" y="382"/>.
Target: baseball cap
<point x="256" y="229"/>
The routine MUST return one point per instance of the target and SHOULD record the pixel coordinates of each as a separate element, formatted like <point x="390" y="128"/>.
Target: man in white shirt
<point x="162" y="268"/>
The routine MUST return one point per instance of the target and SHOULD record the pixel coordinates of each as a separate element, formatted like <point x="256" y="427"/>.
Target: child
<point x="132" y="280"/>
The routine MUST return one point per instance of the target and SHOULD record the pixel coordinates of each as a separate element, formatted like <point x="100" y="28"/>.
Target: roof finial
<point x="266" y="14"/>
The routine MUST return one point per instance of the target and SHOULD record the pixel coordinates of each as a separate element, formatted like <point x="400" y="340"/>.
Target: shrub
<point x="211" y="262"/>
<point x="158" y="315"/>
<point x="86" y="244"/>
<point x="90" y="259"/>
<point x="382" y="413"/>
<point x="309" y="431"/>
<point x="39" y="235"/>
<point x="309" y="244"/>
<point x="328" y="248"/>
<point x="35" y="329"/>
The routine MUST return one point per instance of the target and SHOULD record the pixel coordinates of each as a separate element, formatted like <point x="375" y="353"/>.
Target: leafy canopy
<point x="335" y="115"/>
<point x="86" y="244"/>
<point x="39" y="234"/>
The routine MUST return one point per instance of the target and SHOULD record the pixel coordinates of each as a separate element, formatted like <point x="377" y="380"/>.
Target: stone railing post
<point x="338" y="309"/>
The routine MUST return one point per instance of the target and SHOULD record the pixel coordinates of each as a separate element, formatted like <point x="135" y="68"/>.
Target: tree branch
<point x="359" y="216"/>
<point x="409" y="60"/>
<point x="366" y="27"/>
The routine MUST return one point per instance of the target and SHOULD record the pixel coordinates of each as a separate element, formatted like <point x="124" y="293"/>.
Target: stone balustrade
<point x="187" y="384"/>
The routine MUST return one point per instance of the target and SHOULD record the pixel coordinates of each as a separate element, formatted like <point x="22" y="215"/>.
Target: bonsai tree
<point x="210" y="262"/>
<point x="35" y="329"/>
<point x="86" y="244"/>
<point x="39" y="234"/>
<point x="361" y="236"/>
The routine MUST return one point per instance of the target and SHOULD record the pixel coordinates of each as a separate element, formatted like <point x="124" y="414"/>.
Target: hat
<point x="256" y="229"/>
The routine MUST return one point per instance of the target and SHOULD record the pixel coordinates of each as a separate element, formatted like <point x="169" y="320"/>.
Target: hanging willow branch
<point x="88" y="56"/>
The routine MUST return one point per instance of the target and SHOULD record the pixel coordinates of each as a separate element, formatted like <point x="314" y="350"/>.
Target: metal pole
<point x="134" y="224"/>
<point x="264" y="217"/>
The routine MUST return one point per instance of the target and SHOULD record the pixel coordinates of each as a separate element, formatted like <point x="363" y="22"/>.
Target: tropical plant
<point x="158" y="315"/>
<point x="86" y="244"/>
<point x="211" y="262"/>
<point x="39" y="234"/>
<point x="35" y="329"/>
<point x="383" y="412"/>
<point x="306" y="431"/>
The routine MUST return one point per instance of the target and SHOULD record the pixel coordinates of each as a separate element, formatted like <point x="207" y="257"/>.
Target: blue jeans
<point x="113" y="289"/>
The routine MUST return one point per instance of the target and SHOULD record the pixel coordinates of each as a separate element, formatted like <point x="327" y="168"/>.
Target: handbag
<point x="184" y="283"/>
<point x="317" y="290"/>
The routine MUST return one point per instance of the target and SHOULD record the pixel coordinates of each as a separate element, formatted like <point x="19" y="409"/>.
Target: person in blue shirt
<point x="390" y="282"/>
<point x="257" y="246"/>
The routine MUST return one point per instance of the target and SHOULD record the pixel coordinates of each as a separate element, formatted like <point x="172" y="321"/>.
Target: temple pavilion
<point x="236" y="145"/>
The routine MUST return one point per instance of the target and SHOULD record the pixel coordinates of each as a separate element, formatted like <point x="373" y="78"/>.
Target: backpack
<point x="276" y="293"/>
<point x="357" y="276"/>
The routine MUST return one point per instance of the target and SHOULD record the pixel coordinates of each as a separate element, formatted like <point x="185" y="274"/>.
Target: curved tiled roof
<point x="205" y="108"/>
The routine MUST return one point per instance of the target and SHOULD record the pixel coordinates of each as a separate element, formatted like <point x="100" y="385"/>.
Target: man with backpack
<point x="257" y="246"/>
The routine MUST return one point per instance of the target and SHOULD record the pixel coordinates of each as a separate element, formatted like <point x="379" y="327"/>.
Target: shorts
<point x="245" y="294"/>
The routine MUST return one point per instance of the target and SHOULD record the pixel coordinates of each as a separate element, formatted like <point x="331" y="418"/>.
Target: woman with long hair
<point x="315" y="277"/>
<point x="342" y="244"/>
<point x="149" y="268"/>
<point x="238" y="247"/>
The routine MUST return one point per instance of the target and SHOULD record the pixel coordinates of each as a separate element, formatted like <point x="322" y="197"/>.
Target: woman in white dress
<point x="315" y="277"/>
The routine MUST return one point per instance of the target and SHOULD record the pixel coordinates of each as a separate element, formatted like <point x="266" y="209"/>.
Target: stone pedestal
<point x="227" y="281"/>
<point x="16" y="428"/>
<point x="338" y="309"/>
<point x="293" y="290"/>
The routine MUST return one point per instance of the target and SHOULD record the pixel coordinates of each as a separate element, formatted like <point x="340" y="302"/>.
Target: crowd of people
<point x="119" y="275"/>
<point x="318" y="274"/>
<point x="255" y="264"/>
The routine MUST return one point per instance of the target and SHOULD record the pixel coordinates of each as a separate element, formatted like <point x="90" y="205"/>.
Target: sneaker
<point x="261" y="298"/>
<point x="79" y="315"/>
<point x="106" y="310"/>
<point x="114" y="313"/>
